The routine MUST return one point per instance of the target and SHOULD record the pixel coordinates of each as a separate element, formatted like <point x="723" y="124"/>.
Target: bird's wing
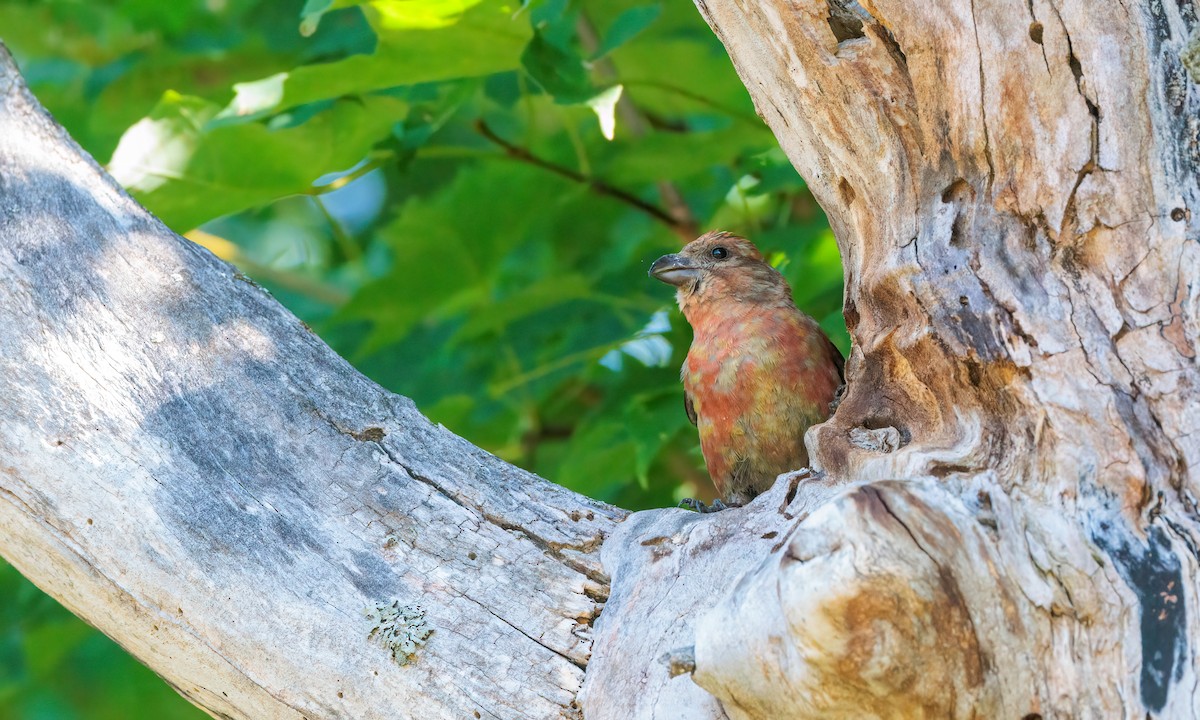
<point x="687" y="407"/>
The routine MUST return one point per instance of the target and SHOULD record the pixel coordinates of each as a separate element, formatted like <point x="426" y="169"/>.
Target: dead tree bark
<point x="1012" y="529"/>
<point x="188" y="468"/>
<point x="1004" y="520"/>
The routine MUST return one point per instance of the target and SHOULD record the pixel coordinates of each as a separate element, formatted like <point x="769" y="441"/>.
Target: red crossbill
<point x="759" y="372"/>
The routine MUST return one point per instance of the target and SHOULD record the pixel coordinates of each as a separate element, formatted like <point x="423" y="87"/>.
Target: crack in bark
<point x="1089" y="364"/>
<point x="581" y="664"/>
<point x="1154" y="441"/>
<point x="987" y="143"/>
<point x="1038" y="38"/>
<point x="549" y="547"/>
<point x="375" y="435"/>
<point x="945" y="574"/>
<point x="1069" y="218"/>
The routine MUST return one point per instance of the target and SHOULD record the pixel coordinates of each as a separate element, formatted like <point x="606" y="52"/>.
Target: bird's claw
<point x="698" y="505"/>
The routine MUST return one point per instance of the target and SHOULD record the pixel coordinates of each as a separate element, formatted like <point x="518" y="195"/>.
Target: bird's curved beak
<point x="675" y="270"/>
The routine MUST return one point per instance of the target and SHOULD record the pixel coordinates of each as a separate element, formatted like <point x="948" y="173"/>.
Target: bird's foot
<point x="698" y="505"/>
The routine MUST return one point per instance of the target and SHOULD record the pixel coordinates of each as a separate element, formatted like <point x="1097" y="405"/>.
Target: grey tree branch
<point x="188" y="468"/>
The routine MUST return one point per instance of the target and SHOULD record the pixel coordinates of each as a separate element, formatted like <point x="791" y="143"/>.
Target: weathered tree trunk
<point x="1013" y="527"/>
<point x="1005" y="524"/>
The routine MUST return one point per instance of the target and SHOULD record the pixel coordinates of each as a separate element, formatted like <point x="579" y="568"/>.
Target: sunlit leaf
<point x="257" y="96"/>
<point x="419" y="14"/>
<point x="605" y="107"/>
<point x="188" y="168"/>
<point x="484" y="40"/>
<point x="391" y="14"/>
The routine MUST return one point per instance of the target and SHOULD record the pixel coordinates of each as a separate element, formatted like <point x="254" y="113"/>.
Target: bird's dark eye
<point x="720" y="253"/>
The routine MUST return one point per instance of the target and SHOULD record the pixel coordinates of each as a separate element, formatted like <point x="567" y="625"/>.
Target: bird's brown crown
<point x="721" y="267"/>
<point x="720" y="247"/>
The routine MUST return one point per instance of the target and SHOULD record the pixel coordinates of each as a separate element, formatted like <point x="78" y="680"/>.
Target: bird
<point x="759" y="371"/>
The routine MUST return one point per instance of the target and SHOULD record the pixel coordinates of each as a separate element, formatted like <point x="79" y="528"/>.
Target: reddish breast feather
<point x="757" y="380"/>
<point x="734" y="361"/>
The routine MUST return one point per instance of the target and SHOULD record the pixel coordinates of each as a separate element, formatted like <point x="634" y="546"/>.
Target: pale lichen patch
<point x="1190" y="57"/>
<point x="401" y="629"/>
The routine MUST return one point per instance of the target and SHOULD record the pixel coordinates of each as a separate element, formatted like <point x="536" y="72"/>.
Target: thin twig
<point x="347" y="243"/>
<point x="753" y="120"/>
<point x="600" y="187"/>
<point x="375" y="162"/>
<point x="304" y="285"/>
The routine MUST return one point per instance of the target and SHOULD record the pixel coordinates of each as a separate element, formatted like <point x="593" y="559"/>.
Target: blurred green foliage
<point x="461" y="196"/>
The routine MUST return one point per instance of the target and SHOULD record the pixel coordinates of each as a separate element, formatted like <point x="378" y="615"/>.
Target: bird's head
<point x="720" y="265"/>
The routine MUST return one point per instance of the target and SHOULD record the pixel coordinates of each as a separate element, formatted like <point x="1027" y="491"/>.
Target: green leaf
<point x="651" y="420"/>
<point x="450" y="248"/>
<point x="257" y="97"/>
<point x="187" y="167"/>
<point x="626" y="27"/>
<point x="310" y="15"/>
<point x="483" y="40"/>
<point x="525" y="302"/>
<point x="559" y="72"/>
<point x="418" y="14"/>
<point x="445" y="279"/>
<point x="391" y="14"/>
<point x="599" y="458"/>
<point x="682" y="76"/>
<point x="678" y="155"/>
<point x="425" y="119"/>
